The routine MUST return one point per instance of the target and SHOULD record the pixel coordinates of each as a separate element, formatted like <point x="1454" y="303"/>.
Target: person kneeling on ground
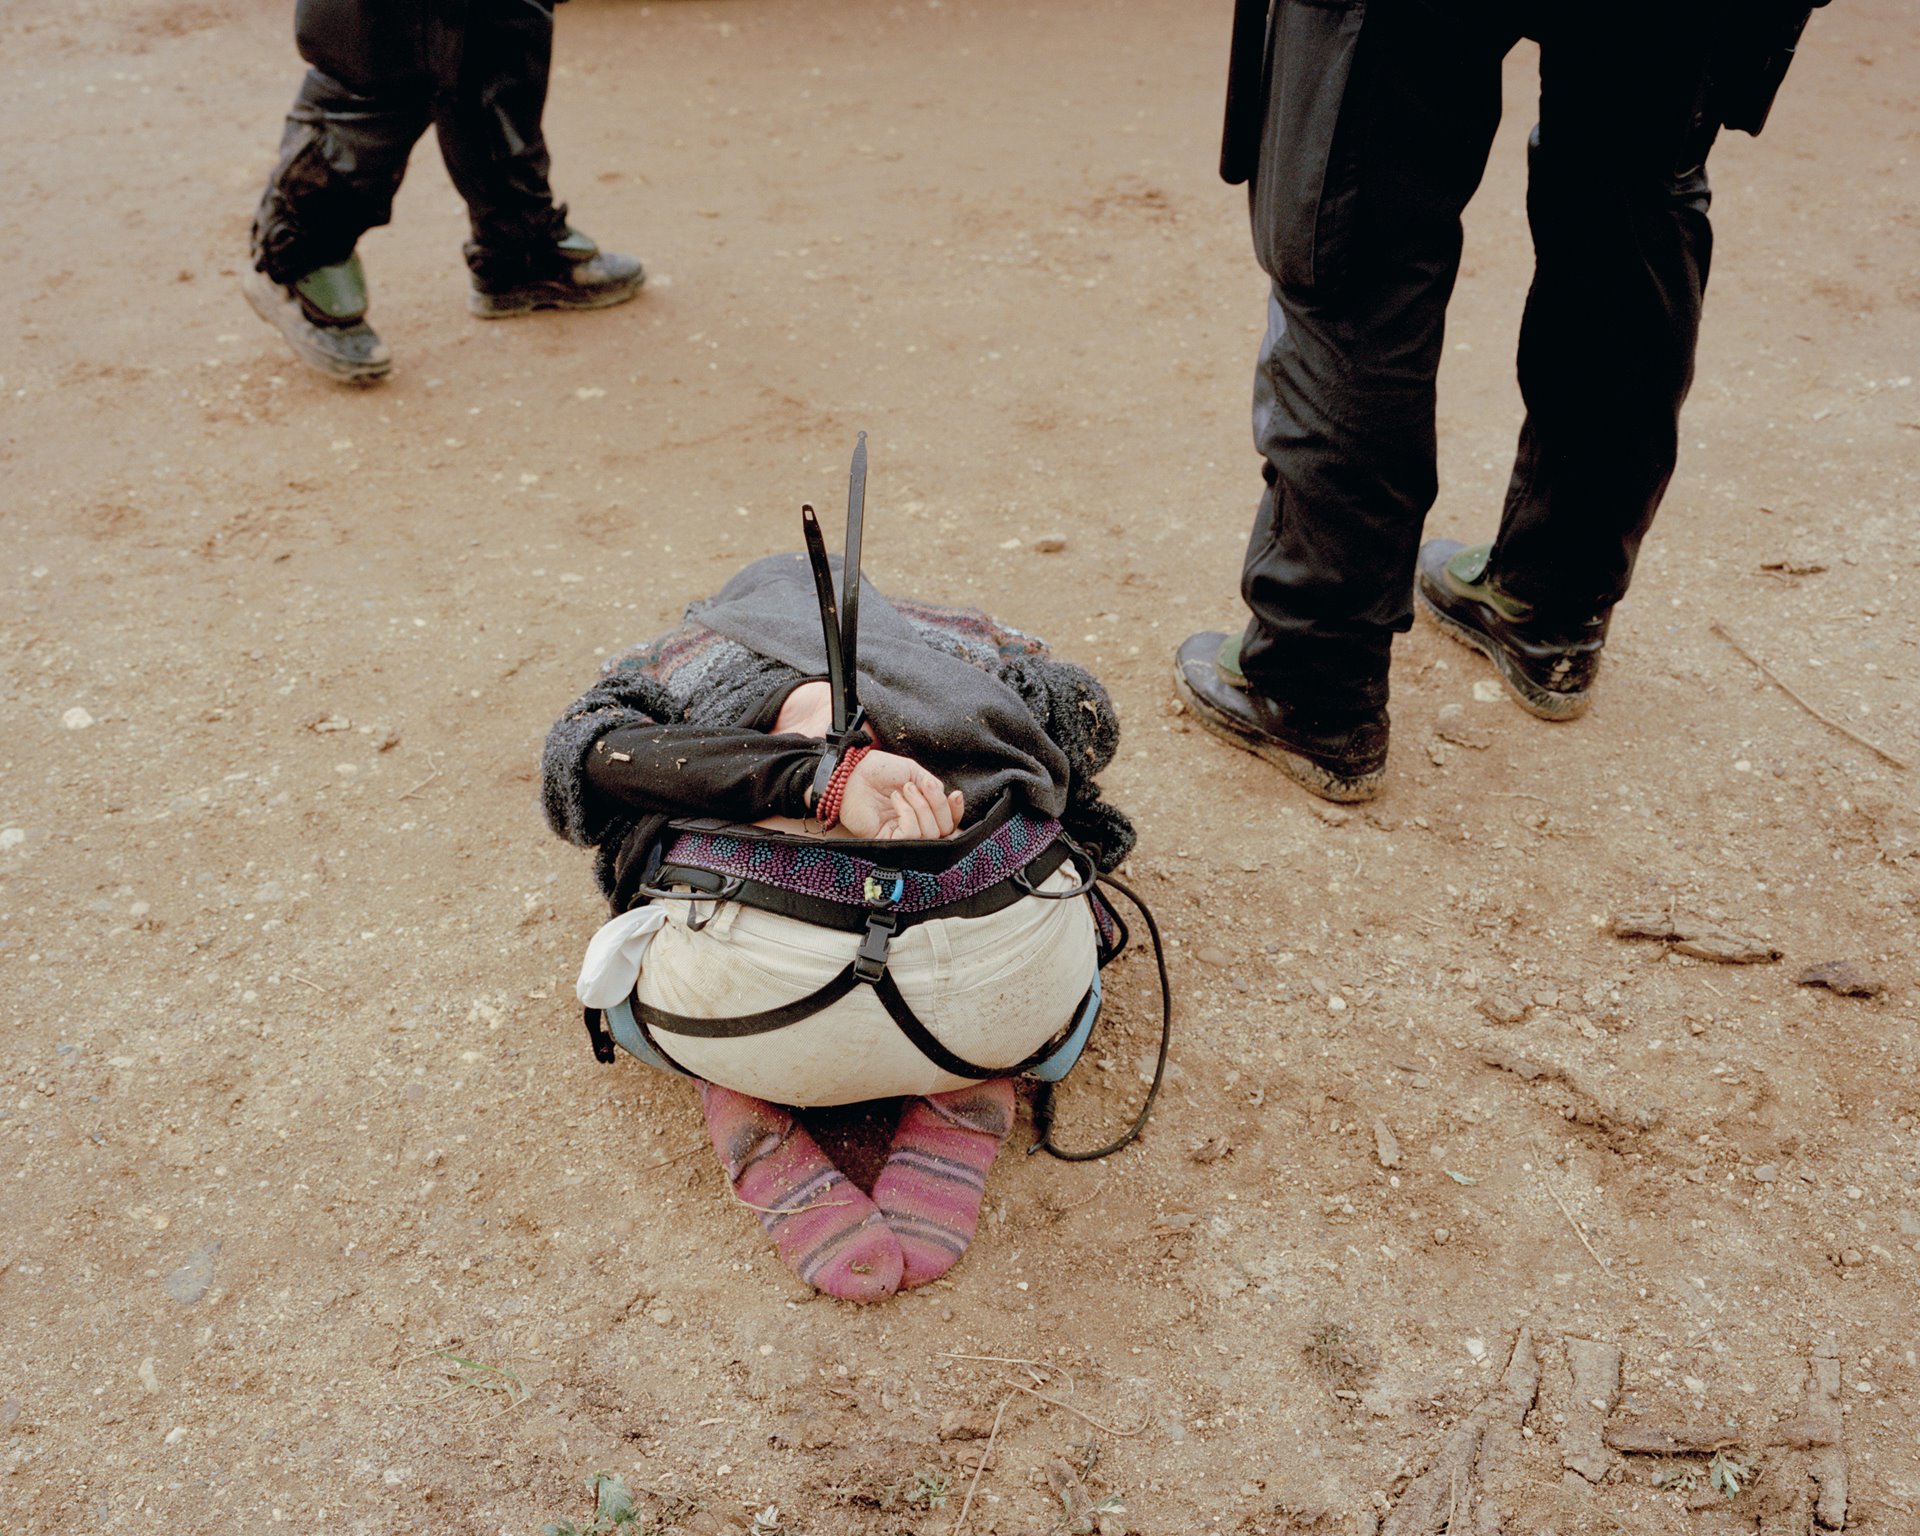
<point x="979" y="747"/>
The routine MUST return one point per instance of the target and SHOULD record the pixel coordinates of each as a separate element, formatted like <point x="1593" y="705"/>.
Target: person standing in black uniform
<point x="381" y="72"/>
<point x="1363" y="127"/>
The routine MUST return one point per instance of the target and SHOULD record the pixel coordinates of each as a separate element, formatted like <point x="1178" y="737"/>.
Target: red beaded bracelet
<point x="828" y="810"/>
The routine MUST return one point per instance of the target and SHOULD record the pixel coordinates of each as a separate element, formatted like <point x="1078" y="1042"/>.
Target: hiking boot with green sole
<point x="1338" y="755"/>
<point x="1548" y="667"/>
<point x="577" y="275"/>
<point x="323" y="317"/>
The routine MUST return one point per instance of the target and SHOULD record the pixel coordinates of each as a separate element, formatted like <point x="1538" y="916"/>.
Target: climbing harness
<point x="865" y="888"/>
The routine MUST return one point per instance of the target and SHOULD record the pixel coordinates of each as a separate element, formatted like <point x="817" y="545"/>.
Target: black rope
<point x="1043" y="1098"/>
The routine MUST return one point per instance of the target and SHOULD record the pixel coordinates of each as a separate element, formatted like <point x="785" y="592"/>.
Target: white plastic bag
<point x="612" y="962"/>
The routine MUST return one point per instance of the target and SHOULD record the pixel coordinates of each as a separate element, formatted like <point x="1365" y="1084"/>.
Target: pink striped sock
<point x="936" y="1175"/>
<point x="824" y="1229"/>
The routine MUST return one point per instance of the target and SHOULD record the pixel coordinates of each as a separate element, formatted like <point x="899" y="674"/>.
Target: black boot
<point x="1548" y="666"/>
<point x="572" y="274"/>
<point x="1338" y="755"/>
<point x="323" y="316"/>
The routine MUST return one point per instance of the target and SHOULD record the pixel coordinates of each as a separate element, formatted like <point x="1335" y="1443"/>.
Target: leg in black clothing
<point x="341" y="160"/>
<point x="1617" y="201"/>
<point x="492" y="93"/>
<point x="1376" y="136"/>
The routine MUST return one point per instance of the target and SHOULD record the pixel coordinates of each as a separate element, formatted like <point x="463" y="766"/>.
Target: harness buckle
<point x="883" y="887"/>
<point x="870" y="962"/>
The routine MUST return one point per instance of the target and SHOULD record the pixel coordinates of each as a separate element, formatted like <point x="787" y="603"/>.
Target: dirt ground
<point x="297" y="1112"/>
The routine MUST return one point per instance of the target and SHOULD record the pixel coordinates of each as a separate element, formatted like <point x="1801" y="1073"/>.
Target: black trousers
<point x="1378" y="119"/>
<point x="382" y="72"/>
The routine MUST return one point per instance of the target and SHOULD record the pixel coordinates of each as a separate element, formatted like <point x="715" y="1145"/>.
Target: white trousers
<point x="991" y="989"/>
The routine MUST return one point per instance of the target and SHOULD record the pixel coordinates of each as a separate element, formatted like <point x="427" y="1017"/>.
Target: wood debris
<point x="1595" y="1368"/>
<point x="1448" y="1496"/>
<point x="1701" y="940"/>
<point x="1828" y="1463"/>
<point x="1849" y="978"/>
<point x="1673" y="1439"/>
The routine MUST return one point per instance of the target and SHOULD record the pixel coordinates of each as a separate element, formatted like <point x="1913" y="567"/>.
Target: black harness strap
<point x="762" y="1023"/>
<point x="840" y="622"/>
<point x="929" y="1046"/>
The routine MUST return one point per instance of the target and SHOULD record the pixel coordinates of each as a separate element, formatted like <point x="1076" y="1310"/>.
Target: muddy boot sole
<point x="528" y="298"/>
<point x="281" y="310"/>
<point x="1342" y="789"/>
<point x="1541" y="703"/>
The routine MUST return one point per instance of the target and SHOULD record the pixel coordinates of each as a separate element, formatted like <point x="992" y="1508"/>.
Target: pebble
<point x="1766" y="1173"/>
<point x="149" y="1377"/>
<point x="76" y="719"/>
<point x="1213" y="956"/>
<point x="1442" y="1236"/>
<point x="1852" y="1258"/>
<point x="1502" y="1008"/>
<point x="1451" y="724"/>
<point x="1385" y="1143"/>
<point x="1049" y="544"/>
<point x="1487" y="691"/>
<point x="12" y="837"/>
<point x="189" y="1282"/>
<point x="175" y="1435"/>
<point x="662" y="1315"/>
<point x="1477" y="1348"/>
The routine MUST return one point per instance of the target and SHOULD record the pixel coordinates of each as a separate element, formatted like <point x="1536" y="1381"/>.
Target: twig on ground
<point x="948" y="1354"/>
<point x="1040" y="1370"/>
<point x="1124" y="1434"/>
<point x="985" y="1457"/>
<point x="305" y="983"/>
<point x="1827" y="720"/>
<point x="1591" y="1253"/>
<point x="409" y="794"/>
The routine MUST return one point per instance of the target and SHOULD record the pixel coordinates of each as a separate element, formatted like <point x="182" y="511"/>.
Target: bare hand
<point x="888" y="797"/>
<point x="891" y="797"/>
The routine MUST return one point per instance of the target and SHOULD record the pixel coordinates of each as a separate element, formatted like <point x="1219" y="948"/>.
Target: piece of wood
<point x="1595" y="1368"/>
<point x="1849" y="978"/>
<point x="1446" y="1497"/>
<point x="1804" y="1434"/>
<point x="1828" y="1464"/>
<point x="1672" y="1439"/>
<point x="1701" y="940"/>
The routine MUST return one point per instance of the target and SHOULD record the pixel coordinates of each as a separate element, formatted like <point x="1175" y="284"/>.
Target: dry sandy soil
<point x="296" y="1103"/>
